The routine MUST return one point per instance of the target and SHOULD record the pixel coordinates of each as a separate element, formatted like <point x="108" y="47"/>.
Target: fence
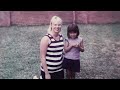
<point x="8" y="18"/>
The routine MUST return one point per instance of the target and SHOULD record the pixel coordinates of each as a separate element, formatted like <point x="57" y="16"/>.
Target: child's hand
<point x="81" y="47"/>
<point x="75" y="45"/>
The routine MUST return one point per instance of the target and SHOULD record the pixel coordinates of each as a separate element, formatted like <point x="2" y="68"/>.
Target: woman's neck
<point x="54" y="34"/>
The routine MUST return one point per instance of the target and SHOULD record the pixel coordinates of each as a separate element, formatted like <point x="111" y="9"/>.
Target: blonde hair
<point x="51" y="21"/>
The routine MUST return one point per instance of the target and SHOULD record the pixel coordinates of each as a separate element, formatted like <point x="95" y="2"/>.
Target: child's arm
<point x="67" y="46"/>
<point x="81" y="46"/>
<point x="43" y="49"/>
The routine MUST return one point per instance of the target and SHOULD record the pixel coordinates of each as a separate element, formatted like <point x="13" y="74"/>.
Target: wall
<point x="8" y="18"/>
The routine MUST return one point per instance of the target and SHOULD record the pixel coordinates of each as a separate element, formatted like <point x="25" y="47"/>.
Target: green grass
<point x="19" y="51"/>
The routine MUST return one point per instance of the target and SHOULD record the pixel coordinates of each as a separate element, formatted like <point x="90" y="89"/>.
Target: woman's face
<point x="56" y="26"/>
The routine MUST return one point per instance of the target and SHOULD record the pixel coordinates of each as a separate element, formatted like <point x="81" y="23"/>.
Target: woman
<point x="51" y="51"/>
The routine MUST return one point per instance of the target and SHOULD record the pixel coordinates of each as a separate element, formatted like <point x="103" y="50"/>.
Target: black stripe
<point x="48" y="36"/>
<point x="55" y="69"/>
<point x="56" y="46"/>
<point x="55" y="50"/>
<point x="53" y="55"/>
<point x="54" y="65"/>
<point x="57" y="41"/>
<point x="53" y="60"/>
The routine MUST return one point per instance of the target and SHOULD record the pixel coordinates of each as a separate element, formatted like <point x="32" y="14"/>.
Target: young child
<point x="73" y="47"/>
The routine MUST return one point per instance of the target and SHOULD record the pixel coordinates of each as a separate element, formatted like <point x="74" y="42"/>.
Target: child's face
<point x="73" y="35"/>
<point x="56" y="26"/>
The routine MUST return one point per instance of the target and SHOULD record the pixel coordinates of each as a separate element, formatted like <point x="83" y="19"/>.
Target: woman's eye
<point x="59" y="25"/>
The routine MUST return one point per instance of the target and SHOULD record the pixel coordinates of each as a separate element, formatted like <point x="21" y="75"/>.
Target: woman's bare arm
<point x="43" y="49"/>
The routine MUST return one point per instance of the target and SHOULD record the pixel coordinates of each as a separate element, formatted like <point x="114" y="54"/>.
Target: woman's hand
<point x="47" y="76"/>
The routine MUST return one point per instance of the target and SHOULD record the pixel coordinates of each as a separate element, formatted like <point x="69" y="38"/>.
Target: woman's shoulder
<point x="45" y="37"/>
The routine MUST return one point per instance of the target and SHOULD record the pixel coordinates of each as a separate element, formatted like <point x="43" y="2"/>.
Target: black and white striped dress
<point x="54" y="55"/>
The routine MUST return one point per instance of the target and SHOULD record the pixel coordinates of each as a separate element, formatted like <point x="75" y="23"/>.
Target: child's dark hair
<point x="73" y="28"/>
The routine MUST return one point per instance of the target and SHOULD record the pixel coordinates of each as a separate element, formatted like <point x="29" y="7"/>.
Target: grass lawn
<point x="19" y="51"/>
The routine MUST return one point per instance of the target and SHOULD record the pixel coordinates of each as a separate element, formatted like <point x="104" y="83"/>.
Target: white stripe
<point x="55" y="71"/>
<point x="53" y="58"/>
<point x="56" y="44"/>
<point x="41" y="68"/>
<point x="52" y="39"/>
<point x="53" y="68"/>
<point x="61" y="38"/>
<point x="58" y="48"/>
<point x="52" y="71"/>
<point x="54" y="53"/>
<point x="54" y="63"/>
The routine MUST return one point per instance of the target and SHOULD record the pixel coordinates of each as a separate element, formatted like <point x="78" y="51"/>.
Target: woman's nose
<point x="58" y="26"/>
